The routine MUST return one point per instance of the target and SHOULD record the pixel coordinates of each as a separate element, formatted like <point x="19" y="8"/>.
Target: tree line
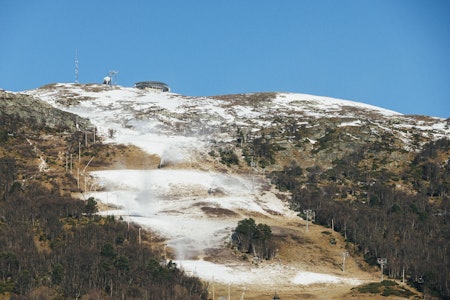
<point x="410" y="228"/>
<point x="53" y="246"/>
<point x="255" y="239"/>
<point x="57" y="242"/>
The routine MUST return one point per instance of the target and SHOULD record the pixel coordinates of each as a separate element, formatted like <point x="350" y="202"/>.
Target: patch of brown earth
<point x="218" y="212"/>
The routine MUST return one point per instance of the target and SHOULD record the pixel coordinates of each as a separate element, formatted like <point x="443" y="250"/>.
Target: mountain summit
<point x="299" y="123"/>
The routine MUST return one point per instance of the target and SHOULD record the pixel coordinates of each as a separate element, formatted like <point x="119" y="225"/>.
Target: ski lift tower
<point x="113" y="76"/>
<point x="382" y="262"/>
<point x="344" y="256"/>
<point x="308" y="212"/>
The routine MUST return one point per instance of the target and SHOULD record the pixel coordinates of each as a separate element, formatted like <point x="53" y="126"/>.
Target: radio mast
<point x="113" y="76"/>
<point x="76" y="66"/>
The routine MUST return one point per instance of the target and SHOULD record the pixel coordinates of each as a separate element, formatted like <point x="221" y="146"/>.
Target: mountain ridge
<point x="232" y="109"/>
<point x="20" y="105"/>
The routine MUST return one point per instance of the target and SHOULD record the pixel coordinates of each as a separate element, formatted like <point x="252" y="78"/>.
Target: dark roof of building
<point x="151" y="84"/>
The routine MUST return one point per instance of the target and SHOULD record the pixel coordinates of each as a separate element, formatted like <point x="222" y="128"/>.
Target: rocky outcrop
<point x="38" y="113"/>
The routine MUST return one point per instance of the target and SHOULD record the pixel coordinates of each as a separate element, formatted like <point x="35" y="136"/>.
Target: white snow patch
<point x="175" y="203"/>
<point x="306" y="278"/>
<point x="355" y="123"/>
<point x="325" y="105"/>
<point x="269" y="275"/>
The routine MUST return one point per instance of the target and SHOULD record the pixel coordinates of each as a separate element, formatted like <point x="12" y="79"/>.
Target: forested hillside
<point x="383" y="182"/>
<point x="396" y="213"/>
<point x="52" y="246"/>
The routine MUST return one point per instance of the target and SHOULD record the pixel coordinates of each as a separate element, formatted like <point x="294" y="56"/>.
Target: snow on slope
<point x="320" y="106"/>
<point x="162" y="198"/>
<point x="178" y="203"/>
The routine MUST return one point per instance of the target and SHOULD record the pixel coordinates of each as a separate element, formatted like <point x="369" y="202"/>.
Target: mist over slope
<point x="217" y="153"/>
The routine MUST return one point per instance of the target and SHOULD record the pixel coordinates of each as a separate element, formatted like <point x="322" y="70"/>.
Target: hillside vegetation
<point x="52" y="245"/>
<point x="386" y="191"/>
<point x="380" y="179"/>
<point x="400" y="214"/>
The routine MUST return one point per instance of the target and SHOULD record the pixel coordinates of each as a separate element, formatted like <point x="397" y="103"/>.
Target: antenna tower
<point x="113" y="76"/>
<point x="76" y="66"/>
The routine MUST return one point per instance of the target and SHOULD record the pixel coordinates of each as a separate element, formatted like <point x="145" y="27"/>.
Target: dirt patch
<point x="218" y="212"/>
<point x="272" y="212"/>
<point x="219" y="255"/>
<point x="112" y="156"/>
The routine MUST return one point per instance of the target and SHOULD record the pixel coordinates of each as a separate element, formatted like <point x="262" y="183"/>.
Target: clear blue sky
<point x="390" y="53"/>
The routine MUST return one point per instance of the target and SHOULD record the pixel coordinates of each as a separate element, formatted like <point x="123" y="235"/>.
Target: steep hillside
<point x="21" y="108"/>
<point x="52" y="246"/>
<point x="207" y="162"/>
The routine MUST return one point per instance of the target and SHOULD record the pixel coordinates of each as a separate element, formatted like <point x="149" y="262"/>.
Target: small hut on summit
<point x="155" y="85"/>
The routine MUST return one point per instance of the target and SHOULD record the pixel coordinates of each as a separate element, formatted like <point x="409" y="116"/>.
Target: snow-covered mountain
<point x="196" y="201"/>
<point x="133" y="112"/>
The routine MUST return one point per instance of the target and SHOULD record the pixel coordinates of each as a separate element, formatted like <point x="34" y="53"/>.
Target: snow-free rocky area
<point x="176" y="201"/>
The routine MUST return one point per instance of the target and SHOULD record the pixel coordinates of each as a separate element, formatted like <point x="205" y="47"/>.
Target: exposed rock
<point x="39" y="113"/>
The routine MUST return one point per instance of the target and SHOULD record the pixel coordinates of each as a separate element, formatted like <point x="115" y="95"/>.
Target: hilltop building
<point x="155" y="85"/>
<point x="107" y="80"/>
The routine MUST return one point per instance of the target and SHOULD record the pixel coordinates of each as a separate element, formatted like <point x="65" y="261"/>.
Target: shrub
<point x="229" y="158"/>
